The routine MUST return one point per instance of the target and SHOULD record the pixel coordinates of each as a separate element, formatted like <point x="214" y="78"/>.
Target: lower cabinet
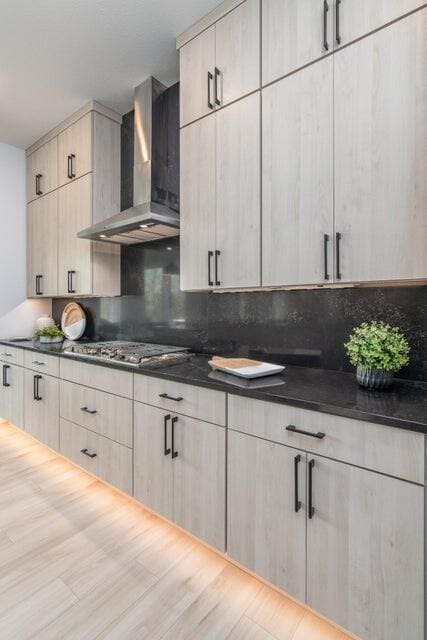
<point x="101" y="456"/>
<point x="179" y="471"/>
<point x="267" y="510"/>
<point x="42" y="408"/>
<point x="12" y="394"/>
<point x="365" y="551"/>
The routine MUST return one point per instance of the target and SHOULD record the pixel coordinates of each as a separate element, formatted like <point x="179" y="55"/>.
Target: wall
<point x="17" y="314"/>
<point x="305" y="328"/>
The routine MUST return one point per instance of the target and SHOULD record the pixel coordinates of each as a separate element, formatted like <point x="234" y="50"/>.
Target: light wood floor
<point x="80" y="561"/>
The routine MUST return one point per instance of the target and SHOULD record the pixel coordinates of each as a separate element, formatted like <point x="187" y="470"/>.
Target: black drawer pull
<point x="38" y="364"/>
<point x="39" y="292"/>
<point x="310" y="489"/>
<point x="217" y="280"/>
<point x="319" y="435"/>
<point x="210" y="256"/>
<point x="338" y="241"/>
<point x="6" y="382"/>
<point x="36" y="388"/>
<point x="168" y="397"/>
<point x="86" y="410"/>
<point x="337" y="21"/>
<point x="7" y="355"/>
<point x="70" y="281"/>
<point x="297" y="460"/>
<point x="174" y="452"/>
<point x="325" y="256"/>
<point x="89" y="455"/>
<point x="166" y="449"/>
<point x="325" y="25"/>
<point x="217" y="76"/>
<point x="210" y="78"/>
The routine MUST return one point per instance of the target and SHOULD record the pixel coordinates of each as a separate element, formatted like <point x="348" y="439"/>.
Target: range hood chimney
<point x="155" y="211"/>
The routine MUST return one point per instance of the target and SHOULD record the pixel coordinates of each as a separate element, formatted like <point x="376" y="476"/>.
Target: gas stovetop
<point x="137" y="354"/>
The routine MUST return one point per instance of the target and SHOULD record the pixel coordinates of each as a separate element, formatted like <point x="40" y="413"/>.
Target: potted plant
<point x="50" y="335"/>
<point x="377" y="350"/>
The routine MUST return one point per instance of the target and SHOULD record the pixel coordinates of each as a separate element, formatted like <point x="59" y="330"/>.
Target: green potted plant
<point x="377" y="350"/>
<point x="50" y="335"/>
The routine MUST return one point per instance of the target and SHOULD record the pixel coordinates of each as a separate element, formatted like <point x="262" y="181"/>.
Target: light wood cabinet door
<point x="199" y="478"/>
<point x="153" y="469"/>
<point x="42" y="246"/>
<point x="12" y="394"/>
<point x="197" y="60"/>
<point x="356" y="18"/>
<point x="198" y="197"/>
<point x="238" y="189"/>
<point x="74" y="254"/>
<point x="42" y="170"/>
<point x="380" y="153"/>
<point x="75" y="150"/>
<point x="365" y="546"/>
<point x="294" y="33"/>
<point x="238" y="37"/>
<point x="297" y="178"/>
<point x="42" y="408"/>
<point x="266" y="484"/>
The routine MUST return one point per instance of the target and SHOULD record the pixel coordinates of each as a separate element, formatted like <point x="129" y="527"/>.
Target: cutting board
<point x="245" y="368"/>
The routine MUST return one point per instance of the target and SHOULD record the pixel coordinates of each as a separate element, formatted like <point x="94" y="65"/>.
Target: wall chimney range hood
<point x="155" y="211"/>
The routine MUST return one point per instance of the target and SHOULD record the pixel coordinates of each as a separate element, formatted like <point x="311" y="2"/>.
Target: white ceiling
<point x="56" y="55"/>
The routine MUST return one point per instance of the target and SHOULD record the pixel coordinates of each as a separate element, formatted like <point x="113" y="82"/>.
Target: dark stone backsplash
<point x="306" y="327"/>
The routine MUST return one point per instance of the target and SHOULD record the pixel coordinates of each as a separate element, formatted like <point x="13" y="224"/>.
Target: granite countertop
<point x="334" y="392"/>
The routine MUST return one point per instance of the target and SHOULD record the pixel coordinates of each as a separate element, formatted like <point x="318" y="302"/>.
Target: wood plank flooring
<point x="79" y="561"/>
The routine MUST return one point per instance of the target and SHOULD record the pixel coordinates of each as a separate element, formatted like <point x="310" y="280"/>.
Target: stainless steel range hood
<point x="155" y="211"/>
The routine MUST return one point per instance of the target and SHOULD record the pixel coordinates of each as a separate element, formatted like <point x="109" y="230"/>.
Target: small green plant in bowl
<point x="377" y="350"/>
<point x="50" y="335"/>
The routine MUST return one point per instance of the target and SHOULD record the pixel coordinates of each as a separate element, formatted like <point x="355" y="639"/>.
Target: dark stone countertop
<point x="334" y="392"/>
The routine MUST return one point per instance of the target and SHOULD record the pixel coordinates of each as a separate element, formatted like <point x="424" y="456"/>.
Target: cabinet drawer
<point x="120" y="383"/>
<point x="104" y="413"/>
<point x="110" y="461"/>
<point x="389" y="450"/>
<point x="196" y="402"/>
<point x="11" y="354"/>
<point x="41" y="362"/>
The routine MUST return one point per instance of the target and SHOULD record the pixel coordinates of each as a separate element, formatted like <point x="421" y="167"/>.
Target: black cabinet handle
<point x="6" y="383"/>
<point x="310" y="489"/>
<point x="325" y="255"/>
<point x="319" y="435"/>
<point x="165" y="439"/>
<point x="210" y="103"/>
<point x="36" y="388"/>
<point x="217" y="76"/>
<point x="39" y="192"/>
<point x="38" y="363"/>
<point x="39" y="291"/>
<point x="325" y="25"/>
<point x="73" y="165"/>
<point x="90" y="411"/>
<point x="70" y="282"/>
<point x="69" y="170"/>
<point x="210" y="256"/>
<point x="174" y="452"/>
<point x="168" y="397"/>
<point x="297" y="460"/>
<point x="86" y="453"/>
<point x="217" y="281"/>
<point x="338" y="242"/>
<point x="337" y="21"/>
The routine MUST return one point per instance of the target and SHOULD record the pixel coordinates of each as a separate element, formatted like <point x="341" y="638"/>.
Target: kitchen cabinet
<point x="294" y="33"/>
<point x="42" y="170"/>
<point x="220" y="212"/>
<point x="75" y="150"/>
<point x="12" y="394"/>
<point x="297" y="178"/>
<point x="365" y="550"/>
<point x="42" y="246"/>
<point x="42" y="408"/>
<point x="179" y="471"/>
<point x="267" y="510"/>
<point x="380" y="161"/>
<point x="221" y="63"/>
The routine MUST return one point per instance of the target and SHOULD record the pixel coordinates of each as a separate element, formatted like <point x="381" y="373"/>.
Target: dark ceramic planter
<point x="374" y="378"/>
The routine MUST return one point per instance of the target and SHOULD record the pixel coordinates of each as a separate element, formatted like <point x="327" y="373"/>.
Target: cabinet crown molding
<point x="207" y="21"/>
<point x="93" y="105"/>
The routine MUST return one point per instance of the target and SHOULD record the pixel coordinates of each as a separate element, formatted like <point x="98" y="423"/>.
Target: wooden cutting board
<point x="245" y="368"/>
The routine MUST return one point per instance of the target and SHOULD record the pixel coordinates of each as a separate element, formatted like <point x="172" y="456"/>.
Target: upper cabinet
<point x="42" y="170"/>
<point x="75" y="150"/>
<point x="298" y="32"/>
<point x="221" y="63"/>
<point x="85" y="154"/>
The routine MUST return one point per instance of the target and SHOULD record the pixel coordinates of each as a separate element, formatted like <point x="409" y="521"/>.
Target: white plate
<point x="73" y="321"/>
